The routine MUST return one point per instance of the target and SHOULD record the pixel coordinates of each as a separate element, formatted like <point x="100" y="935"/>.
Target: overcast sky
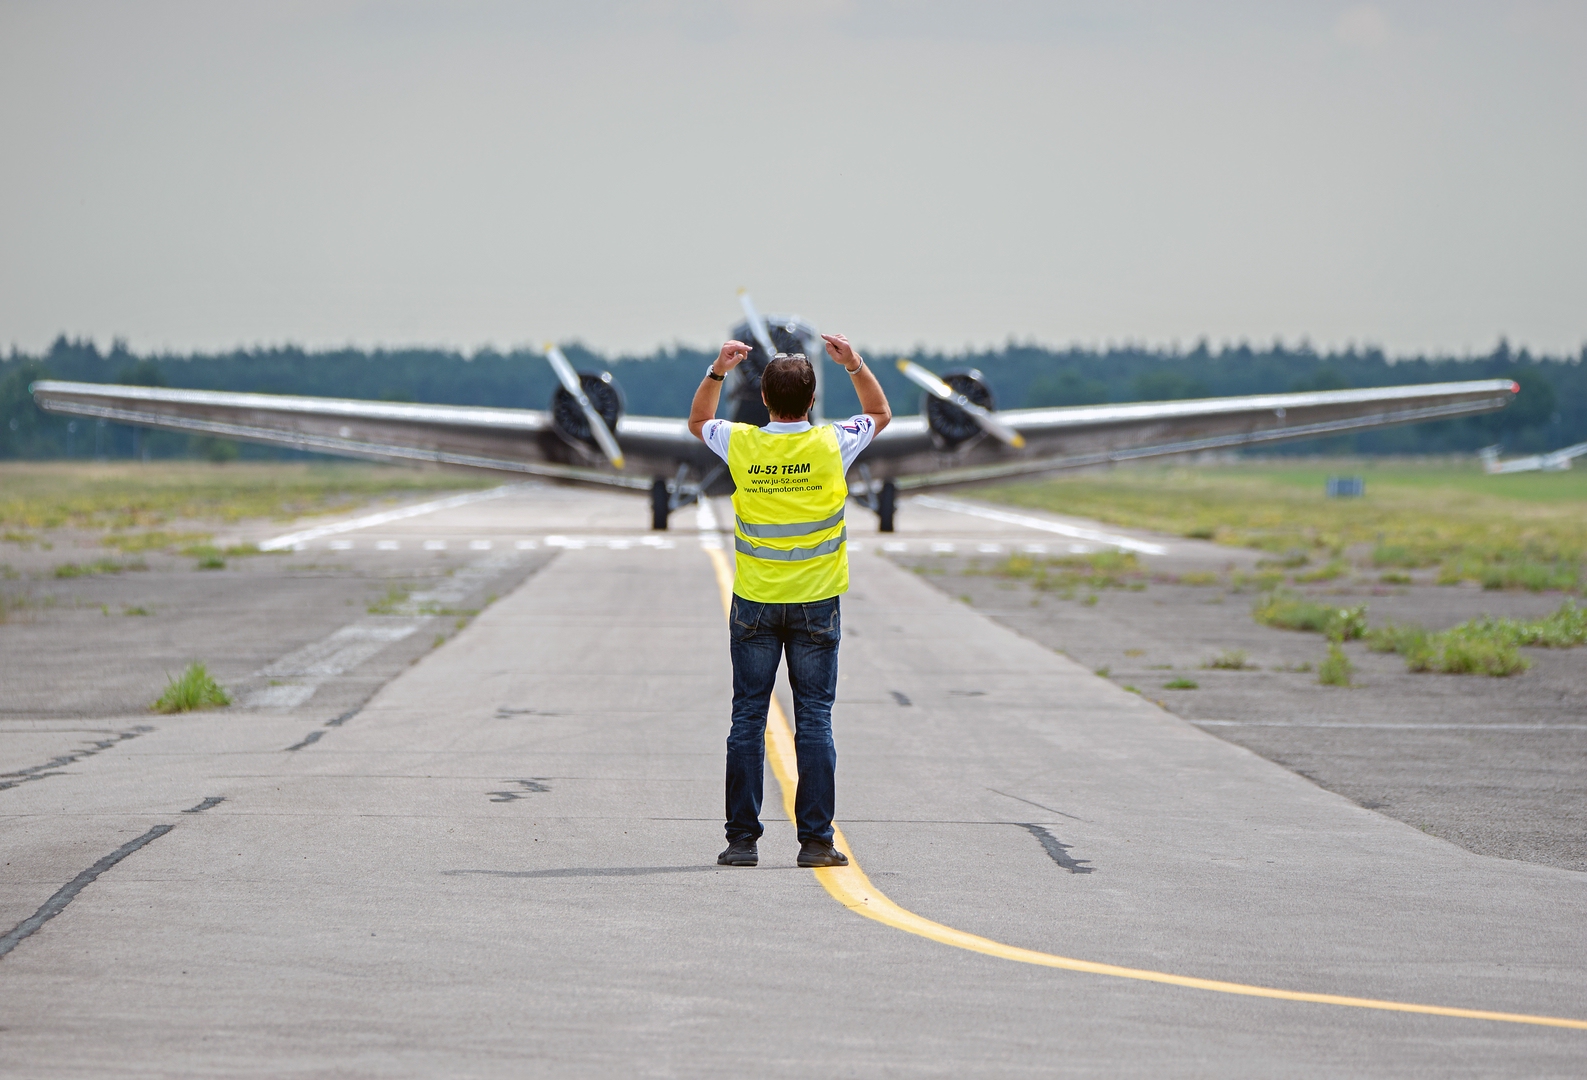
<point x="205" y="175"/>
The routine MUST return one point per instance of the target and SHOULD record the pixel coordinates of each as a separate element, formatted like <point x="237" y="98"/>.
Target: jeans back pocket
<point x="823" y="621"/>
<point x="745" y="619"/>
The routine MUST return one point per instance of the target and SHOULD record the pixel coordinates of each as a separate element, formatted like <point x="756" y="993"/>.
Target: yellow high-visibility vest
<point x="789" y="539"/>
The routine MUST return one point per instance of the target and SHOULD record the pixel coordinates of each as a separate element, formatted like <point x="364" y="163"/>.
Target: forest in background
<point x="1551" y="410"/>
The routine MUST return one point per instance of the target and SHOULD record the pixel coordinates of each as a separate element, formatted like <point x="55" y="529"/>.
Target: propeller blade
<point x="934" y="386"/>
<point x="570" y="382"/>
<point x="757" y="325"/>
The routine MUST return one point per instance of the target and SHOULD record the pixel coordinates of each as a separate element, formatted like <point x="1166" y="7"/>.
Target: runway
<point x="502" y="864"/>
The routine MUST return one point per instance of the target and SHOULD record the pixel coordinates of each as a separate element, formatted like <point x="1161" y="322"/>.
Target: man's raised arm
<point x="873" y="400"/>
<point x="703" y="408"/>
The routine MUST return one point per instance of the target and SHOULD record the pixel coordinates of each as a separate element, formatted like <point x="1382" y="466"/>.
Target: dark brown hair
<point x="789" y="383"/>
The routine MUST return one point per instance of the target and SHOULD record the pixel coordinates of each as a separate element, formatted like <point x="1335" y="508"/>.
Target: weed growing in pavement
<point x="1337" y="669"/>
<point x="1231" y="660"/>
<point x="1181" y="683"/>
<point x="194" y="689"/>
<point x="1264" y="581"/>
<point x="98" y="566"/>
<point x="1198" y="578"/>
<point x="396" y="596"/>
<point x="1285" y="611"/>
<point x="1131" y="689"/>
<point x="1483" y="646"/>
<point x="1068" y="574"/>
<point x="154" y="541"/>
<point x="129" y="609"/>
<point x="1395" y="578"/>
<point x="1103" y="671"/>
<point x="1336" y="569"/>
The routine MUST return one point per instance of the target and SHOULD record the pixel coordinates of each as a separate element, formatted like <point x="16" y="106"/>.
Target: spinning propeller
<point x="570" y="382"/>
<point x="983" y="417"/>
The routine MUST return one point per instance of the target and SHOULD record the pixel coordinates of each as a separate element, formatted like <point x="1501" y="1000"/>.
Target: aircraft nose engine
<point x="569" y="421"/>
<point x="950" y="425"/>
<point x="787" y="335"/>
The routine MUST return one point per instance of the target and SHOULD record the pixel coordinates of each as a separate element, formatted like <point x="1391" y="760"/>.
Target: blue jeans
<point x="761" y="635"/>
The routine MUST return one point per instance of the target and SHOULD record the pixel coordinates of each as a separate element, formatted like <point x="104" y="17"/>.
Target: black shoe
<point x="739" y="853"/>
<point x="819" y="853"/>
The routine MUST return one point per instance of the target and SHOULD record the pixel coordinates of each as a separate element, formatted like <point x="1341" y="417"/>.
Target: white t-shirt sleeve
<point x="715" y="434"/>
<point x="854" y="435"/>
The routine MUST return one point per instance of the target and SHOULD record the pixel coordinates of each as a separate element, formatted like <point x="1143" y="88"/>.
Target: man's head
<point x="788" y="386"/>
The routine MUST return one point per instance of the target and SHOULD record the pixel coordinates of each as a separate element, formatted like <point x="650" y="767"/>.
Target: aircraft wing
<point x="908" y="452"/>
<point x="913" y="456"/>
<point x="510" y="440"/>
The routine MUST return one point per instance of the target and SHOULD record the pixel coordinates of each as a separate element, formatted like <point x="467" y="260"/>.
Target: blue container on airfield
<point x="1346" y="487"/>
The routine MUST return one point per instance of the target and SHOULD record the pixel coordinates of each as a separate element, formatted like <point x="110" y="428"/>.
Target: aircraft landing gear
<point x="660" y="504"/>
<point x="669" y="495"/>
<point x="883" y="498"/>
<point x="886" y="506"/>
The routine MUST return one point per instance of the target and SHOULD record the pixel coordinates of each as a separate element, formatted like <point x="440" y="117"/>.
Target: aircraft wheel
<point x="887" y="505"/>
<point x="660" y="504"/>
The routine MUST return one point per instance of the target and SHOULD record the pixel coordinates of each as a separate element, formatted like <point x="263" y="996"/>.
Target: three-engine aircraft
<point x="1553" y="461"/>
<point x="585" y="436"/>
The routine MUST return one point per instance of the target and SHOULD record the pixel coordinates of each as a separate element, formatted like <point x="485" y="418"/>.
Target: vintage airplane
<point x="584" y="435"/>
<point x="1553" y="461"/>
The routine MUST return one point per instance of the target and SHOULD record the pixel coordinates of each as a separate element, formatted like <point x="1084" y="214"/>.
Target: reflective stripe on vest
<point x="797" y="529"/>
<point x="789" y="538"/>
<point x="791" y="554"/>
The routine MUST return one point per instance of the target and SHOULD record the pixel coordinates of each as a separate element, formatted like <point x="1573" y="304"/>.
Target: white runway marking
<point x="387" y="545"/>
<point x="1346" y="724"/>
<point x="290" y="540"/>
<point x="1123" y="543"/>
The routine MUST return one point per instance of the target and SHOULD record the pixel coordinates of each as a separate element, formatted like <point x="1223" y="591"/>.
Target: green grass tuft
<point x="194" y="689"/>
<point x="1181" y="683"/>
<point x="1285" y="611"/>
<point x="1231" y="660"/>
<point x="1337" y="669"/>
<point x="1484" y="646"/>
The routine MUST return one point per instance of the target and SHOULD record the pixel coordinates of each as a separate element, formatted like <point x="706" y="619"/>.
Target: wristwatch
<point x="710" y="373"/>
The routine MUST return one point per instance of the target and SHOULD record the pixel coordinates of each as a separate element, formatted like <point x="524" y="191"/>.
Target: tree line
<point x="1551" y="410"/>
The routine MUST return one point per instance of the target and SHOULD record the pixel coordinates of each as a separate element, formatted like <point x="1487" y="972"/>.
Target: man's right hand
<point x="732" y="354"/>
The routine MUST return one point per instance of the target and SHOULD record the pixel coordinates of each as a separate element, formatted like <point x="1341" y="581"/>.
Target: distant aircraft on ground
<point x="583" y="435"/>
<point x="1553" y="461"/>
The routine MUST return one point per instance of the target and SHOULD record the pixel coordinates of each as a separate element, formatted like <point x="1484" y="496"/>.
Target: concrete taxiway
<point x="502" y="863"/>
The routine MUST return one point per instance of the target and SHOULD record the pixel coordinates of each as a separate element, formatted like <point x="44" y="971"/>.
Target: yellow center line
<point x="849" y="886"/>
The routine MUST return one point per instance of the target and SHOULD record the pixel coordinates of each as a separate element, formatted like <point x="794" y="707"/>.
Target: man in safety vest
<point x="792" y="563"/>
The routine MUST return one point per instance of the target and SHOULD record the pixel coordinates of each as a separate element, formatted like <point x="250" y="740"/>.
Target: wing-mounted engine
<point x="567" y="415"/>
<point x="951" y="427"/>
<point x="788" y="335"/>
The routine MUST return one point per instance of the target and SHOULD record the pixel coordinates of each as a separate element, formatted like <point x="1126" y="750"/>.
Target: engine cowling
<point x="952" y="427"/>
<point x="569" y="421"/>
<point x="787" y="335"/>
